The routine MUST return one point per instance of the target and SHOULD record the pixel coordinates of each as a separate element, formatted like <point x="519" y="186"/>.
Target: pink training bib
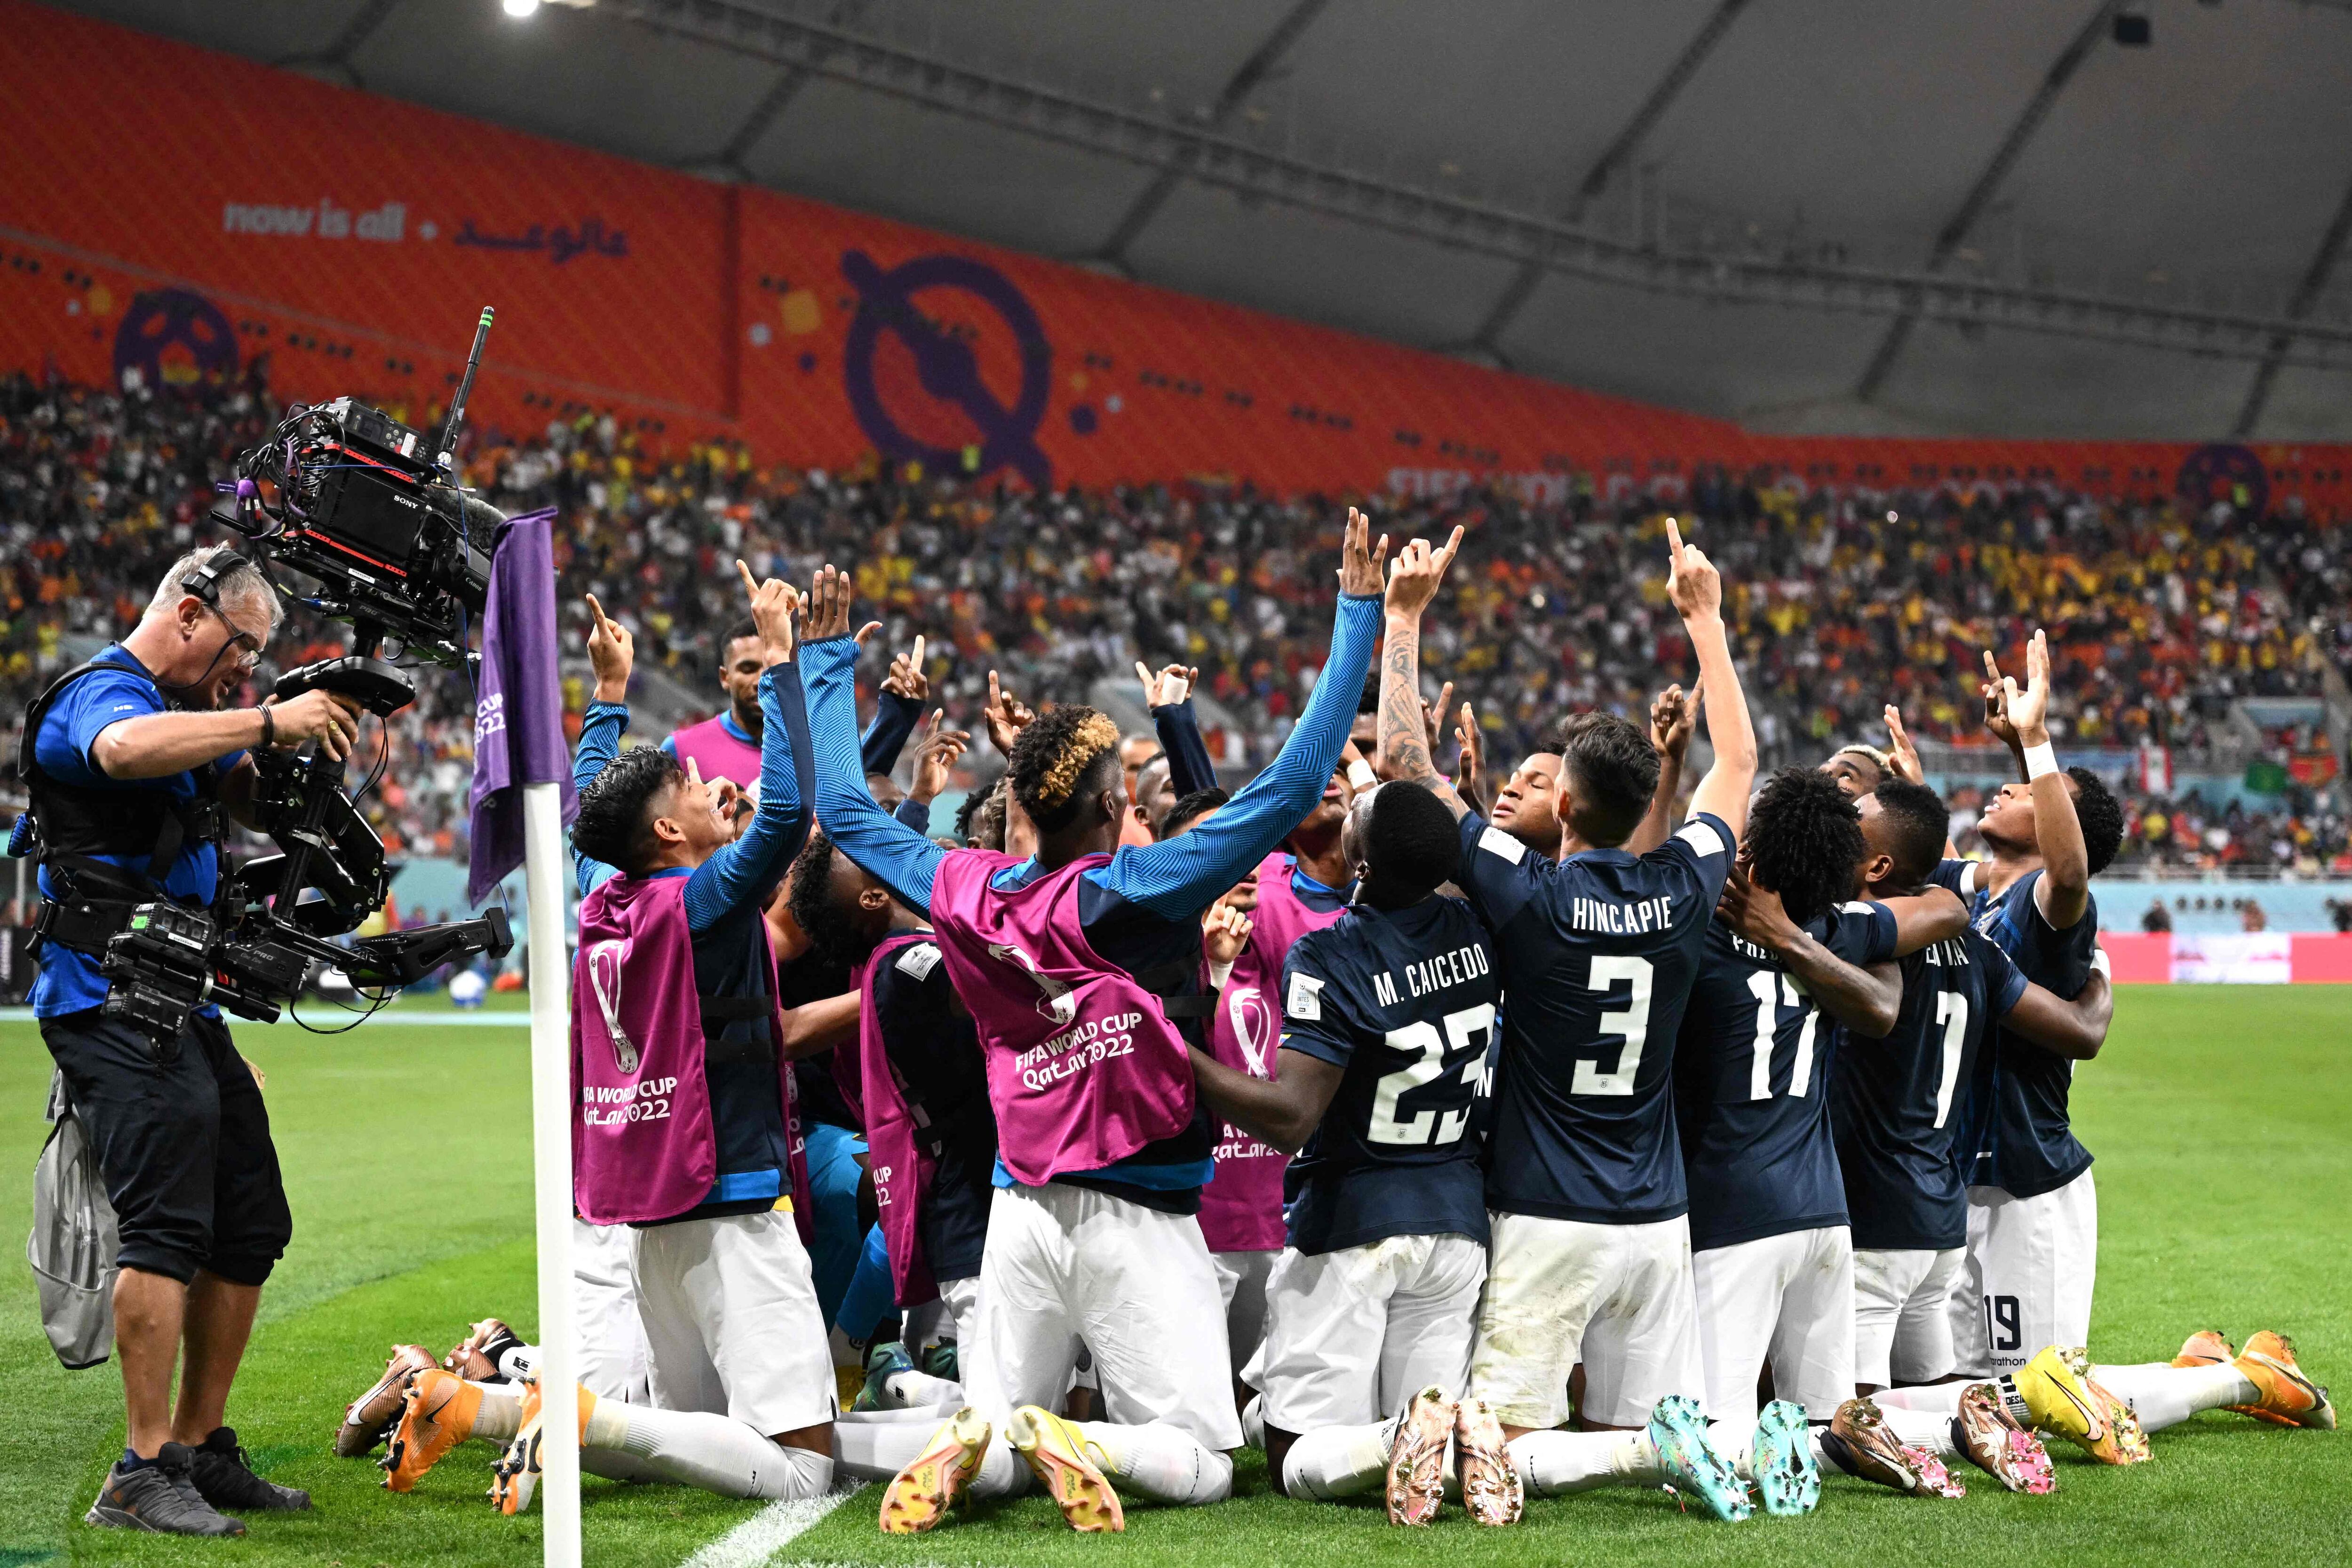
<point x="719" y="755"/>
<point x="900" y="1165"/>
<point x="1084" y="1068"/>
<point x="642" y="1143"/>
<point x="1241" y="1208"/>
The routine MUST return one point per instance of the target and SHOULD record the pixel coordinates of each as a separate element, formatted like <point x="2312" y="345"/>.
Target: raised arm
<point x="1403" y="731"/>
<point x="1178" y="879"/>
<point x="1864" y="1000"/>
<point x="2064" y="893"/>
<point x="896" y="710"/>
<point x="874" y="841"/>
<point x="747" y="870"/>
<point x="1935" y="915"/>
<point x="610" y="651"/>
<point x="1168" y="697"/>
<point x="1698" y="594"/>
<point x="1673" y="716"/>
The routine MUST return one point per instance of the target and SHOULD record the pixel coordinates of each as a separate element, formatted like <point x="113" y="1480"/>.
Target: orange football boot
<point x="2289" y="1397"/>
<point x="439" y="1415"/>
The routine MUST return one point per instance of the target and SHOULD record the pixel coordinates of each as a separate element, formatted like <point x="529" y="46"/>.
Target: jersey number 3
<point x="1631" y="1023"/>
<point x="1465" y="1037"/>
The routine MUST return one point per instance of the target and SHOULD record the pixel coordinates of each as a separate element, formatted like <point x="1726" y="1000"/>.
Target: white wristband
<point x="2041" y="760"/>
<point x="1361" y="775"/>
<point x="1218" y="975"/>
<point x="2099" y="962"/>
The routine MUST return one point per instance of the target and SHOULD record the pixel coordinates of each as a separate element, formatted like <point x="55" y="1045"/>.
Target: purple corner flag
<point x="519" y="710"/>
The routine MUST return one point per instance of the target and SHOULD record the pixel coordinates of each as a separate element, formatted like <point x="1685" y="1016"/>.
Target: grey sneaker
<point x="225" y="1481"/>
<point x="159" y="1497"/>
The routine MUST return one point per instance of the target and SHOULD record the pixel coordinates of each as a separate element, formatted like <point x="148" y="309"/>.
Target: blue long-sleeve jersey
<point x="725" y="898"/>
<point x="1141" y="912"/>
<point x="1188" y="765"/>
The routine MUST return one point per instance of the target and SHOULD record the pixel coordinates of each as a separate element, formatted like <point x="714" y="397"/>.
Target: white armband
<point x="2041" y="760"/>
<point x="1361" y="776"/>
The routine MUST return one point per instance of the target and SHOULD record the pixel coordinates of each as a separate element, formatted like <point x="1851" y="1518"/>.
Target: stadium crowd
<point x="2160" y="615"/>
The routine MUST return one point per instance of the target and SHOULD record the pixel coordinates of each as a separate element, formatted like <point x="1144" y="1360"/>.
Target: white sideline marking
<point x="768" y="1531"/>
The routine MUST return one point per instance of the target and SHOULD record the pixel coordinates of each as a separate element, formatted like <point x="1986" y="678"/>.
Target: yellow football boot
<point x="920" y="1496"/>
<point x="2055" y="1392"/>
<point x="1057" y="1454"/>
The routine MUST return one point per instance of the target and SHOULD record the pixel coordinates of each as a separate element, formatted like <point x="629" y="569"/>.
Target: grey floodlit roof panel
<point x="261" y="29"/>
<point x="1299" y="264"/>
<point x="883" y="155"/>
<point x="2307" y="406"/>
<point x="1995" y="382"/>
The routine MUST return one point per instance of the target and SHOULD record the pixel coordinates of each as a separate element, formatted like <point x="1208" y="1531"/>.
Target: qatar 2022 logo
<point x="946" y="369"/>
<point x="172" y="337"/>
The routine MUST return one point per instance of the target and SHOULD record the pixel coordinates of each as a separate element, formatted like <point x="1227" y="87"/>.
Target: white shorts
<point x="605" y="1312"/>
<point x="2033" y="1265"/>
<point x="1902" y="1323"/>
<point x="731" y="1320"/>
<point x="1067" y="1264"/>
<point x="960" y="1297"/>
<point x="1786" y="1300"/>
<point x="1617" y="1298"/>
<point x="1351" y="1335"/>
<point x="1241" y="1280"/>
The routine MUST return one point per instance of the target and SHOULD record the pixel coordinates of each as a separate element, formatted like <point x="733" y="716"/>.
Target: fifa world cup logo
<point x="1056" y="1003"/>
<point x="604" y="980"/>
<point x="1254" y="1029"/>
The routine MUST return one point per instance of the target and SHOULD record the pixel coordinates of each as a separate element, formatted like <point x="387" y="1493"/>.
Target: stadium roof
<point x="1811" y="216"/>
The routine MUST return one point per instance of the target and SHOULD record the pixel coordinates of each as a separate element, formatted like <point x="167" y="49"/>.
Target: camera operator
<point x="131" y="761"/>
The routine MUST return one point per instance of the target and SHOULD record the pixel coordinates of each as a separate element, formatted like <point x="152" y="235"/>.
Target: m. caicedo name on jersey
<point x="1430" y="975"/>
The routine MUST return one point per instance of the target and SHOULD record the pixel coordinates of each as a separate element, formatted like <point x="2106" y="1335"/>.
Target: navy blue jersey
<point x="1403" y="1001"/>
<point x="1897" y="1106"/>
<point x="1752" y="1084"/>
<point x="935" y="1054"/>
<point x="2027" y="1144"/>
<point x="1599" y="952"/>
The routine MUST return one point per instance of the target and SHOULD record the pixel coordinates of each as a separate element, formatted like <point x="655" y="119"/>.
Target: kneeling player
<point x="1372" y="1305"/>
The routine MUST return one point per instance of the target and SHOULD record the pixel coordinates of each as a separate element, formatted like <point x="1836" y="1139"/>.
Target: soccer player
<point x="1303" y="886"/>
<point x="727" y="744"/>
<point x="1598" y="953"/>
<point x="1898" y="1112"/>
<point x="923" y="1098"/>
<point x="674" y="1009"/>
<point x="1071" y="963"/>
<point x="1791" y="963"/>
<point x="2034" y="1211"/>
<point x="1386" y="1015"/>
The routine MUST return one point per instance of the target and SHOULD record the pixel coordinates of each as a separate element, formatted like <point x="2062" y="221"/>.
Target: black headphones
<point x="205" y="580"/>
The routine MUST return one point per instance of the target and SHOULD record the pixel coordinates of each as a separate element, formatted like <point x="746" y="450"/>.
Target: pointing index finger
<point x="750" y="586"/>
<point x="1675" y="542"/>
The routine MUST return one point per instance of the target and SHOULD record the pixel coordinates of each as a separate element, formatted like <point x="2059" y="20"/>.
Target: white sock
<point x="2162" y="1395"/>
<point x="878" y="1450"/>
<point x="618" y="1465"/>
<point x="1935" y="1399"/>
<point x="1161" y="1462"/>
<point x="1924" y="1429"/>
<point x="914" y="1390"/>
<point x="500" y="1417"/>
<point x="1253" y="1423"/>
<point x="715" y="1453"/>
<point x="1550" y="1463"/>
<point x="1337" y="1461"/>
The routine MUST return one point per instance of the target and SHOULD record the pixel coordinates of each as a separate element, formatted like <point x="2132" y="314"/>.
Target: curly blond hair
<point x="1052" y="759"/>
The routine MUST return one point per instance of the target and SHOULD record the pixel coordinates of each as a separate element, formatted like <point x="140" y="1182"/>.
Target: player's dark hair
<point x="1190" y="809"/>
<point x="1803" y="841"/>
<point x="1922" y="827"/>
<point x="746" y="627"/>
<point x="1063" y="759"/>
<point x="616" y="818"/>
<point x="1369" y="700"/>
<point x="1411" y="844"/>
<point x="1612" y="771"/>
<point x="2101" y="815"/>
<point x="808" y="896"/>
<point x="966" y="809"/>
<point x="986" y="830"/>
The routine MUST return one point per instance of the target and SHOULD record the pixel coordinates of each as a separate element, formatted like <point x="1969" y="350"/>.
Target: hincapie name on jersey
<point x="1613" y="919"/>
<point x="1433" y="974"/>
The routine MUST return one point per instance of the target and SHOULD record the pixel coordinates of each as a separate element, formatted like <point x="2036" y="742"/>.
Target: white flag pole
<point x="550" y="1137"/>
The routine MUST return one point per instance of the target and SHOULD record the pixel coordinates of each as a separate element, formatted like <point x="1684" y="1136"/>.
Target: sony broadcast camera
<point x="348" y="497"/>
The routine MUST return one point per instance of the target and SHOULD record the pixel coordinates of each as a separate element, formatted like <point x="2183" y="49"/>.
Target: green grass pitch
<point x="2222" y="1117"/>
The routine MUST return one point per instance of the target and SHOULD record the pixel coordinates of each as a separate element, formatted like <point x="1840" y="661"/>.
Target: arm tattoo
<point x="1404" y="734"/>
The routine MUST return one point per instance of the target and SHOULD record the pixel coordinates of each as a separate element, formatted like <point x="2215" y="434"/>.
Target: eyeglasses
<point x="248" y="644"/>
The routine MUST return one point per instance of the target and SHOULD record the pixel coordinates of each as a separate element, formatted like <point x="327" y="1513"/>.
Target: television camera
<point x="354" y="500"/>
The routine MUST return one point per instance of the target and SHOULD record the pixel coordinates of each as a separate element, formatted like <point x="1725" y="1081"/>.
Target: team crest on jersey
<point x="605" y="962"/>
<point x="1255" y="1027"/>
<point x="1056" y="1003"/>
